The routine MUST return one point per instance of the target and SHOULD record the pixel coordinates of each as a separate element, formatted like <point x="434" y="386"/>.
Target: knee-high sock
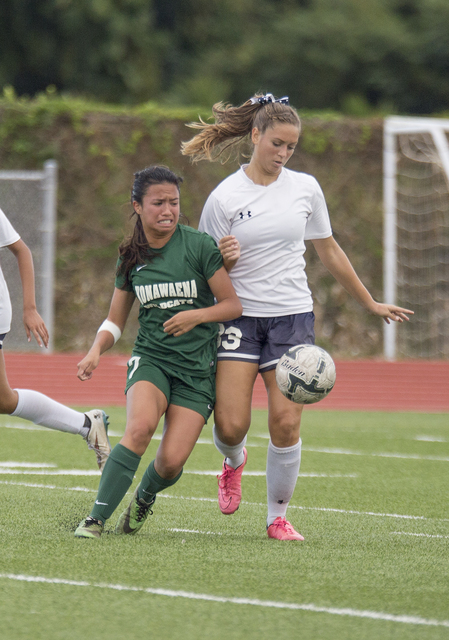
<point x="282" y="474"/>
<point x="117" y="476"/>
<point x="234" y="454"/>
<point x="152" y="483"/>
<point x="42" y="410"/>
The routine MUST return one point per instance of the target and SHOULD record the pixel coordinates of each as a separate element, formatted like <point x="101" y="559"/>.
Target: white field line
<point x="29" y="426"/>
<point x="25" y="426"/>
<point x="250" y="504"/>
<point x="58" y="472"/>
<point x="346" y="452"/>
<point x="34" y="485"/>
<point x="324" y="509"/>
<point x="15" y="468"/>
<point x="10" y="464"/>
<point x="204" y="533"/>
<point x="263" y="473"/>
<point x="169" y="593"/>
<point x="404" y="456"/>
<point x="419" y="535"/>
<point x="430" y="439"/>
<point x="333" y="451"/>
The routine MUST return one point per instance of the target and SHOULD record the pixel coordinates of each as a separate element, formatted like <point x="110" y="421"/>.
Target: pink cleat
<point x="230" y="487"/>
<point x="281" y="529"/>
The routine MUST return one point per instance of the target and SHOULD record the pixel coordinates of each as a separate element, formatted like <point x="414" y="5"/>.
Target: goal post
<point x="416" y="234"/>
<point x="28" y="199"/>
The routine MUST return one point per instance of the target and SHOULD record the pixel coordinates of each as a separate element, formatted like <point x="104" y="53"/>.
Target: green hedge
<point x="99" y="147"/>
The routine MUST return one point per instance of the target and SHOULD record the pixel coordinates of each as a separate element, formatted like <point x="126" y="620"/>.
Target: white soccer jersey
<point x="8" y="235"/>
<point x="271" y="223"/>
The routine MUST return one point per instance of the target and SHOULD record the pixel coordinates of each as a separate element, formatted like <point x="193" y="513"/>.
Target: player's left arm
<point x="337" y="262"/>
<point x="228" y="307"/>
<point x="33" y="322"/>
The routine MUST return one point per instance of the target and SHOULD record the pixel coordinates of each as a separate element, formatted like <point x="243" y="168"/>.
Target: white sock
<point x="282" y="474"/>
<point x="42" y="410"/>
<point x="234" y="454"/>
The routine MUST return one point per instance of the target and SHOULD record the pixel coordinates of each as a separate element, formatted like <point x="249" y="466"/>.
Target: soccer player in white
<point x="261" y="216"/>
<point x="26" y="403"/>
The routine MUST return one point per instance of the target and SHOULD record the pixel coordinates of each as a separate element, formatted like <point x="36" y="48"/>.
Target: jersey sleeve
<point x="8" y="235"/>
<point x="213" y="219"/>
<point x="211" y="258"/>
<point x="120" y="280"/>
<point x="318" y="223"/>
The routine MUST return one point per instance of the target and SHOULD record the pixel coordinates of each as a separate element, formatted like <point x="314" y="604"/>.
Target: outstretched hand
<point x="87" y="366"/>
<point x="390" y="312"/>
<point x="34" y="325"/>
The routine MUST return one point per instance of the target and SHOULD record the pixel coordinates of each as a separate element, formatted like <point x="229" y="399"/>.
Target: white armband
<point x="112" y="328"/>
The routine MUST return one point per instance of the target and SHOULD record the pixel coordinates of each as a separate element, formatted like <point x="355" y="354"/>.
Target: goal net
<point x="28" y="199"/>
<point x="416" y="235"/>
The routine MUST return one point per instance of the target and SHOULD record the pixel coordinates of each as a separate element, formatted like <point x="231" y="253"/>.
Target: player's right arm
<point x="230" y="250"/>
<point x="216" y="223"/>
<point x="121" y="304"/>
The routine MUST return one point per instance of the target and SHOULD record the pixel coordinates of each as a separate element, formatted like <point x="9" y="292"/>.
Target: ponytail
<point x="234" y="124"/>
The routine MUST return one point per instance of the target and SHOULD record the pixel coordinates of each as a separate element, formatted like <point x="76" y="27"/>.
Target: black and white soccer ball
<point x="305" y="374"/>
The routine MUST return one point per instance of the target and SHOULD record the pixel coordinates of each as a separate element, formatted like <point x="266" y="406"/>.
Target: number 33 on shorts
<point x="229" y="338"/>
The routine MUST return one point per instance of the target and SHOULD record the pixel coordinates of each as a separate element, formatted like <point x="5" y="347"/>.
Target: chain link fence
<point x="28" y="198"/>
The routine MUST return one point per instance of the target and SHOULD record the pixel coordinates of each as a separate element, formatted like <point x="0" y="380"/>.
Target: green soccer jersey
<point x="176" y="280"/>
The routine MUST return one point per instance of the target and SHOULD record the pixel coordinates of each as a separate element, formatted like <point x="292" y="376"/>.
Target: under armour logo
<point x="245" y="215"/>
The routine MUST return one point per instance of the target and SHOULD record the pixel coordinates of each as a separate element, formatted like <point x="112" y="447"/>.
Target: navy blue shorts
<point x="2" y="337"/>
<point x="264" y="340"/>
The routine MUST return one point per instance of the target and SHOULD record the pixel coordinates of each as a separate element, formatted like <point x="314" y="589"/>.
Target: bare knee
<point x="231" y="430"/>
<point x="8" y="400"/>
<point x="137" y="438"/>
<point x="168" y="469"/>
<point x="171" y="457"/>
<point x="284" y="429"/>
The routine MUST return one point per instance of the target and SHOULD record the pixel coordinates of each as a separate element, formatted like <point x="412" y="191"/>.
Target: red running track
<point x="370" y="385"/>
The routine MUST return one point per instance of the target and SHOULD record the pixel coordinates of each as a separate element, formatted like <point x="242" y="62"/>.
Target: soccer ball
<point x="305" y="374"/>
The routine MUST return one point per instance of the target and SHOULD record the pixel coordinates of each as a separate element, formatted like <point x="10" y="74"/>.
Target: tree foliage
<point x="347" y="55"/>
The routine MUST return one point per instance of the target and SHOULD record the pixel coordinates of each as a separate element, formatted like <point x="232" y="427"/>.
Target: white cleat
<point x="97" y="438"/>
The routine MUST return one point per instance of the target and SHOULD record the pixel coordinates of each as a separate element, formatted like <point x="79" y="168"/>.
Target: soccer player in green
<point x="175" y="272"/>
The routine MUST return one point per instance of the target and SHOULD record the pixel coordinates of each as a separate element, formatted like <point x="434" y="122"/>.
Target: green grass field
<point x="371" y="502"/>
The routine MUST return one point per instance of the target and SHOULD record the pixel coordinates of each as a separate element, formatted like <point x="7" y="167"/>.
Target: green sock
<point x="152" y="483"/>
<point x="117" y="476"/>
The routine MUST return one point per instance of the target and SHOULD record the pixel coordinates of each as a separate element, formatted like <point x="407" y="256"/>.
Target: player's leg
<point x="191" y="402"/>
<point x="283" y="458"/>
<point x="239" y="348"/>
<point x="8" y="397"/>
<point x="232" y="413"/>
<point x="181" y="431"/>
<point x="42" y="410"/>
<point x="145" y="404"/>
<point x="284" y="419"/>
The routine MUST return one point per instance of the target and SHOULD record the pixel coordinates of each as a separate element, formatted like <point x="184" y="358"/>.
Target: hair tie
<point x="269" y="98"/>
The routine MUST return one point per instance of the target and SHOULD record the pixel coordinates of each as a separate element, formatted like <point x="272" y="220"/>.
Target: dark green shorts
<point x="182" y="390"/>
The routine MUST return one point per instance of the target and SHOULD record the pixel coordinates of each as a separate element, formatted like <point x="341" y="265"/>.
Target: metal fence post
<point x="50" y="186"/>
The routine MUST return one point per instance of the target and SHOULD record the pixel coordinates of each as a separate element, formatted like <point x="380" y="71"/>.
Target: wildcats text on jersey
<point x="149" y="292"/>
